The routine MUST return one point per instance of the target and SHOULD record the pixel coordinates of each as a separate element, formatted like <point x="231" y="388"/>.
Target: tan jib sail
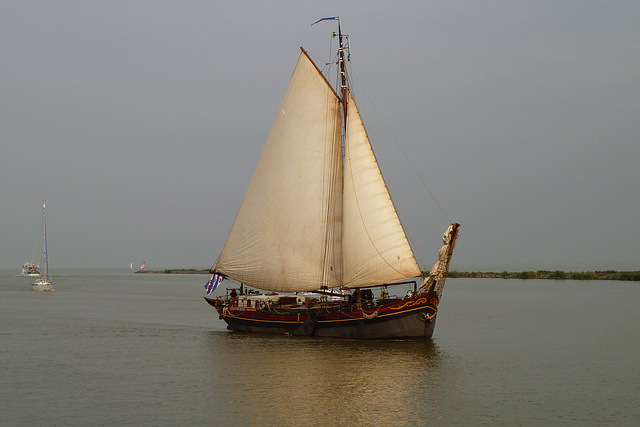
<point x="295" y="231"/>
<point x="374" y="245"/>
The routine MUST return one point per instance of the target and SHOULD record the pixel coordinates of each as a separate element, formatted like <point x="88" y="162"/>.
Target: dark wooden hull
<point x="407" y="319"/>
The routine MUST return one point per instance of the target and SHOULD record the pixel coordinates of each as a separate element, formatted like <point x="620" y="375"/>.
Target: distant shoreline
<point x="174" y="271"/>
<point x="550" y="275"/>
<point x="522" y="275"/>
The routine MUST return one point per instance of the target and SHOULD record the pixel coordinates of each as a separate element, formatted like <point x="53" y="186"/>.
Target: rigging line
<point x="328" y="257"/>
<point x="326" y="64"/>
<point x="407" y="158"/>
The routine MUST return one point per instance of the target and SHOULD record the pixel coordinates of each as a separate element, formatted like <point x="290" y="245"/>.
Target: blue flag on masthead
<point x="333" y="18"/>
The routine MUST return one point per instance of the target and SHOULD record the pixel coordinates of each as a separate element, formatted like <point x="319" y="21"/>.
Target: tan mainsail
<point x="283" y="236"/>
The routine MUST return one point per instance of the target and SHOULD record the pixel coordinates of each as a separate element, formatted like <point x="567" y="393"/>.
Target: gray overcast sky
<point x="141" y="122"/>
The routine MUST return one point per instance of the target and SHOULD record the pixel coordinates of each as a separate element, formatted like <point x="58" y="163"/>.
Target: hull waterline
<point x="407" y="319"/>
<point x="42" y="288"/>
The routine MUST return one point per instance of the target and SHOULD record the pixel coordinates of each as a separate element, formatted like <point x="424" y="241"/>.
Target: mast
<point x="44" y="239"/>
<point x="343" y="75"/>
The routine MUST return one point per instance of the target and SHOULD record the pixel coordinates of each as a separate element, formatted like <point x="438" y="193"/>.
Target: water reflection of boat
<point x="385" y="381"/>
<point x="318" y="217"/>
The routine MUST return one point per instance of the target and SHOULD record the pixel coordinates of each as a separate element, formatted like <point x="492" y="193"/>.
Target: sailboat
<point x="44" y="282"/>
<point x="317" y="242"/>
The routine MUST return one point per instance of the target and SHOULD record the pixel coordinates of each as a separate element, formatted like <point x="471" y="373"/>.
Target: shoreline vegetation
<point x="522" y="275"/>
<point x="550" y="275"/>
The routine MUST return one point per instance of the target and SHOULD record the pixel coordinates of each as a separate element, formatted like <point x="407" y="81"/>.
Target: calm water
<point x="113" y="348"/>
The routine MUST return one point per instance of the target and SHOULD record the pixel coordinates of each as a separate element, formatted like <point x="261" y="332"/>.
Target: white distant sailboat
<point x="44" y="282"/>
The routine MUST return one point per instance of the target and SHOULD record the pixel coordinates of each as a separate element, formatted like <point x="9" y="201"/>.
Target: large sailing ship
<point x="317" y="242"/>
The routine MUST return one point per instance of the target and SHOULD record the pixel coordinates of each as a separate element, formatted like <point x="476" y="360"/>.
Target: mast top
<point x="342" y="68"/>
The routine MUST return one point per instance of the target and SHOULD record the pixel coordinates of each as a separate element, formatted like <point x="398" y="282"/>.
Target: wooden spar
<point x="343" y="76"/>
